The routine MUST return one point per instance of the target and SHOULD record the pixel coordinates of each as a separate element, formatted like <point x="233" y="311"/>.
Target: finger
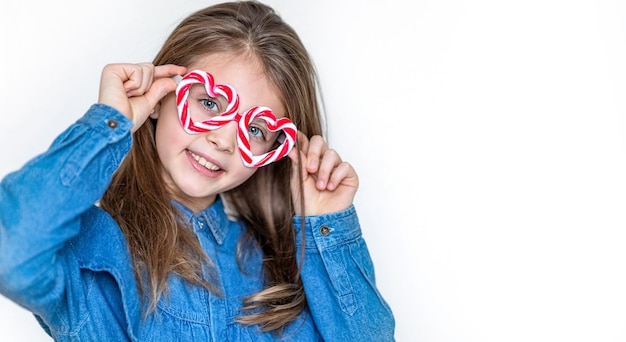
<point x="163" y="83"/>
<point x="159" y="89"/>
<point x="131" y="76"/>
<point x="139" y="79"/>
<point x="169" y="70"/>
<point x="329" y="161"/>
<point x="344" y="173"/>
<point x="317" y="146"/>
<point x="147" y="76"/>
<point x="116" y="80"/>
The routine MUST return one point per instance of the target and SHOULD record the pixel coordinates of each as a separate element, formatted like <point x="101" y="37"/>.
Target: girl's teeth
<point x="207" y="164"/>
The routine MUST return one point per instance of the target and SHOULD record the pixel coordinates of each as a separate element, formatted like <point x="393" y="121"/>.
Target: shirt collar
<point x="214" y="216"/>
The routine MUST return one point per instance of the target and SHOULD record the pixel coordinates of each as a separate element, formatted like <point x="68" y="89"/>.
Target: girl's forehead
<point x="246" y="76"/>
<point x="230" y="68"/>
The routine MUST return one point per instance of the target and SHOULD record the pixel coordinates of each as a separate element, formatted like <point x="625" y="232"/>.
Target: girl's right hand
<point x="135" y="89"/>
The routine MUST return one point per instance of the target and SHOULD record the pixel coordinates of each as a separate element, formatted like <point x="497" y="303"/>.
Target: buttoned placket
<point x="210" y="235"/>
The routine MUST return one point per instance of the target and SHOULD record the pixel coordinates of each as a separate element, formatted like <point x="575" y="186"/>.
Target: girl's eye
<point x="256" y="131"/>
<point x="211" y="105"/>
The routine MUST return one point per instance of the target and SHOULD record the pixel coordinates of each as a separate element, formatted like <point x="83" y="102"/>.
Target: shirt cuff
<point x="329" y="230"/>
<point x="107" y="121"/>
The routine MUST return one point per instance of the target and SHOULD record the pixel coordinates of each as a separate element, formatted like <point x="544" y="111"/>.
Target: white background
<point x="489" y="137"/>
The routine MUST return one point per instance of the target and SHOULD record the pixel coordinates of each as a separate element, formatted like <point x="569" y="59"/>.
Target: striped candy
<point x="231" y="114"/>
<point x="182" y="92"/>
<point x="274" y="125"/>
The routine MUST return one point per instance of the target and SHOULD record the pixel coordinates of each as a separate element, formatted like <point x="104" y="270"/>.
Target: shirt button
<point x="112" y="123"/>
<point x="324" y="230"/>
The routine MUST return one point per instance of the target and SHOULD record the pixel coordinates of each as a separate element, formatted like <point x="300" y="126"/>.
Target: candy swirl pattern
<point x="286" y="141"/>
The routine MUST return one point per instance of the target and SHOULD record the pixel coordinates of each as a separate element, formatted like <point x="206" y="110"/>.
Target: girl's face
<point x="197" y="167"/>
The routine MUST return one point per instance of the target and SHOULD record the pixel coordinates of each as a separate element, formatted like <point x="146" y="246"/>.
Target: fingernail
<point x="320" y="184"/>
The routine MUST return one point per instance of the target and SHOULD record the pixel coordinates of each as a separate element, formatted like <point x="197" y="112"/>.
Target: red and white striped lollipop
<point x="230" y="114"/>
<point x="212" y="89"/>
<point x="274" y="125"/>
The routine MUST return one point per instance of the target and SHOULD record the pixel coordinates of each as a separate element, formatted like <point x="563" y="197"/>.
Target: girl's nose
<point x="224" y="138"/>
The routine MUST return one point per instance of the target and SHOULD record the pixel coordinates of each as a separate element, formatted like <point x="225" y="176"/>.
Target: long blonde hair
<point x="160" y="242"/>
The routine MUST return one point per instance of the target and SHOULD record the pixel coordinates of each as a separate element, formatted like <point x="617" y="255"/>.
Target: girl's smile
<point x="204" y="166"/>
<point x="197" y="167"/>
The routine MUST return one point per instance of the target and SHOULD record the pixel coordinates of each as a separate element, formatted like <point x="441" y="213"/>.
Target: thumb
<point x="159" y="89"/>
<point x="143" y="106"/>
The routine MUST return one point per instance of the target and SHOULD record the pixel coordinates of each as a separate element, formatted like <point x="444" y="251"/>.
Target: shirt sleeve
<point x="339" y="280"/>
<point x="41" y="204"/>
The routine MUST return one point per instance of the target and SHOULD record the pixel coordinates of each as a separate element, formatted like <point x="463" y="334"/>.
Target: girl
<point x="208" y="224"/>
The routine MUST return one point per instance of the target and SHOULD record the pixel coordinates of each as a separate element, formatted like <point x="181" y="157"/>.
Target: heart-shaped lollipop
<point x="274" y="125"/>
<point x="286" y="140"/>
<point x="212" y="89"/>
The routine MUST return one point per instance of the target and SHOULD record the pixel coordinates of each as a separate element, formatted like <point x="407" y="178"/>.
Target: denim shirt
<point x="66" y="260"/>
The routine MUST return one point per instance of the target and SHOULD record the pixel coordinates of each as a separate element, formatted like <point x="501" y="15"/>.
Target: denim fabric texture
<point x="66" y="260"/>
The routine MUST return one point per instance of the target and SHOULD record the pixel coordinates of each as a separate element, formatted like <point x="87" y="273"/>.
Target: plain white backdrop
<point x="489" y="136"/>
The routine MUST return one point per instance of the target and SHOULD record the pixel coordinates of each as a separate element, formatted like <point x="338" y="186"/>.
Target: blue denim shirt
<point x="66" y="260"/>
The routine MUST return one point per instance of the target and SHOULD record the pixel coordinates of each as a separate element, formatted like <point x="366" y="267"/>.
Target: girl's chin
<point x="196" y="201"/>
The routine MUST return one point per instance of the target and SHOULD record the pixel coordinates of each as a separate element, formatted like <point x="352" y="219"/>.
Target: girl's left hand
<point x="330" y="183"/>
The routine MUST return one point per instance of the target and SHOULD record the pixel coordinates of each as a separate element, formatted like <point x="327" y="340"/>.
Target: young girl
<point x="188" y="209"/>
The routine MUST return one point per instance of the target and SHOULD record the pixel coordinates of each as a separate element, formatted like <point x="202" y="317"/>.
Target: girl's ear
<point x="154" y="114"/>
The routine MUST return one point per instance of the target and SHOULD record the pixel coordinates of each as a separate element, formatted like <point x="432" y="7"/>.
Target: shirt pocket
<point x="186" y="302"/>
